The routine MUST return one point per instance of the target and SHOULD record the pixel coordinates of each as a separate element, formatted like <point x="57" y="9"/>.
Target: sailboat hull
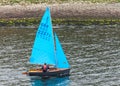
<point x="51" y="73"/>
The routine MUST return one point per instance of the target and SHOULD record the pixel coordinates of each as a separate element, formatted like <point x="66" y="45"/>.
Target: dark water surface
<point x="93" y="53"/>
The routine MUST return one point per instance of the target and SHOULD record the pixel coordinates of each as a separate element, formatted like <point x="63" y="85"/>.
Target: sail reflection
<point x="62" y="81"/>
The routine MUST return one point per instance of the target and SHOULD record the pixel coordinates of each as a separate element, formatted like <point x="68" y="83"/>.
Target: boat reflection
<point x="62" y="81"/>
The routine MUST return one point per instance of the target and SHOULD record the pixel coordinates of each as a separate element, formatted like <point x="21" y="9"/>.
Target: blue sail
<point x="61" y="58"/>
<point x="43" y="48"/>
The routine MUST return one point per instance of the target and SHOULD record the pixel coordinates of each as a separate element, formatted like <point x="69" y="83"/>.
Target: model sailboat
<point x="47" y="49"/>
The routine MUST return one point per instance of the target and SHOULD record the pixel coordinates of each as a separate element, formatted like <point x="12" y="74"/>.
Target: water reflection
<point x="62" y="81"/>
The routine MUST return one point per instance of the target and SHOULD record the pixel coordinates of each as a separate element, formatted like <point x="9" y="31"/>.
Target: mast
<point x="55" y="51"/>
<point x="53" y="35"/>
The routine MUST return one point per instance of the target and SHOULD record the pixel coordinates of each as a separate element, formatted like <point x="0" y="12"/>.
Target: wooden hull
<point x="51" y="73"/>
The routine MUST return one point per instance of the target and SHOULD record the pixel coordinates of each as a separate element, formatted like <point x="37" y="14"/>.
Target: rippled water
<point x="93" y="53"/>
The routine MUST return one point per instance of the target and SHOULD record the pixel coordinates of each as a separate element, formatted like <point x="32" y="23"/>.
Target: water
<point x="93" y="53"/>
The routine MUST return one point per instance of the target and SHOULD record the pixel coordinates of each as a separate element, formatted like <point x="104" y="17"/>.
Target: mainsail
<point x="61" y="58"/>
<point x="43" y="48"/>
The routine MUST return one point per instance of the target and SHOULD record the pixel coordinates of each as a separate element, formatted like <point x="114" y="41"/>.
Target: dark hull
<point x="55" y="73"/>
